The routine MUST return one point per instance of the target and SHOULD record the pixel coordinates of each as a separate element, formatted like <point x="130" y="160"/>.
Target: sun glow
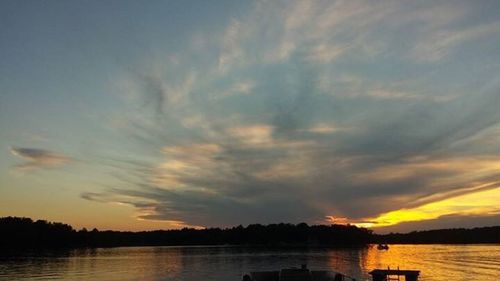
<point x="477" y="203"/>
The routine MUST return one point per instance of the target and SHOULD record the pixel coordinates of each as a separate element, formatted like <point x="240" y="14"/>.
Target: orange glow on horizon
<point x="477" y="203"/>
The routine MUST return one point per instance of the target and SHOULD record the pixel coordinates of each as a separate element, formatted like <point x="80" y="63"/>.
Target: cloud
<point x="311" y="109"/>
<point x="324" y="129"/>
<point x="256" y="134"/>
<point x="325" y="54"/>
<point x="238" y="88"/>
<point x="472" y="204"/>
<point x="38" y="158"/>
<point x="438" y="44"/>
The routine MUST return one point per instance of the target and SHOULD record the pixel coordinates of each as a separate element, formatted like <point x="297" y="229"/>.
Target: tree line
<point x="24" y="232"/>
<point x="19" y="232"/>
<point x="444" y="236"/>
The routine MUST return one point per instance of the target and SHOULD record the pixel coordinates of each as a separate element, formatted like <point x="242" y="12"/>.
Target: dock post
<point x="412" y="277"/>
<point x="379" y="277"/>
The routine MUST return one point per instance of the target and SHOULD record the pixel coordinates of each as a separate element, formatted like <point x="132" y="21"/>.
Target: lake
<point x="436" y="262"/>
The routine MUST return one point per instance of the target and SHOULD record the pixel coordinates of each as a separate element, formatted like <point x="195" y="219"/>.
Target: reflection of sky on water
<point x="440" y="262"/>
<point x="437" y="262"/>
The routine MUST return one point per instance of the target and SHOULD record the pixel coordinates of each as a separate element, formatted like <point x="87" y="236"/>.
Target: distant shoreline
<point x="24" y="233"/>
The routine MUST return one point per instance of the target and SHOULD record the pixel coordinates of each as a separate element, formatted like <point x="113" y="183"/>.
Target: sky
<point x="134" y="115"/>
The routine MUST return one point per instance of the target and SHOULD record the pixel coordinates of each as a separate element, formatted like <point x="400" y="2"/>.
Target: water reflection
<point x="440" y="262"/>
<point x="437" y="262"/>
<point x="347" y="261"/>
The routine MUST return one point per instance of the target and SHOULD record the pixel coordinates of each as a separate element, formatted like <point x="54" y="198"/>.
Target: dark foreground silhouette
<point x="19" y="233"/>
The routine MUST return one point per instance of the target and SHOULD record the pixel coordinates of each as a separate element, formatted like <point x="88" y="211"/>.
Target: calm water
<point x="437" y="262"/>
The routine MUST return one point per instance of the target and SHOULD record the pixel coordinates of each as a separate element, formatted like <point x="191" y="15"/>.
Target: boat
<point x="296" y="274"/>
<point x="304" y="274"/>
<point x="394" y="274"/>
<point x="383" y="247"/>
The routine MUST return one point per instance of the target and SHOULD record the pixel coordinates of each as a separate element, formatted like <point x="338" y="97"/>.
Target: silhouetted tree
<point x="26" y="233"/>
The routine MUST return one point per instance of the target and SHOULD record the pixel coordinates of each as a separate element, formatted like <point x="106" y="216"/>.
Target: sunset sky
<point x="134" y="115"/>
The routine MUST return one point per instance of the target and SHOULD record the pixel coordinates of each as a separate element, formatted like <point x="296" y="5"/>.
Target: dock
<point x="394" y="274"/>
<point x="296" y="274"/>
<point x="304" y="274"/>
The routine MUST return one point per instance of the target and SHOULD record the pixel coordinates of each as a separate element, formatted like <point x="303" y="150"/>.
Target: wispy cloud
<point x="324" y="129"/>
<point x="331" y="113"/>
<point x="38" y="158"/>
<point x="437" y="45"/>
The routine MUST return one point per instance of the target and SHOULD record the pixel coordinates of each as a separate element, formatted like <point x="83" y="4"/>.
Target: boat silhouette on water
<point x="304" y="274"/>
<point x="296" y="274"/>
<point x="383" y="247"/>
